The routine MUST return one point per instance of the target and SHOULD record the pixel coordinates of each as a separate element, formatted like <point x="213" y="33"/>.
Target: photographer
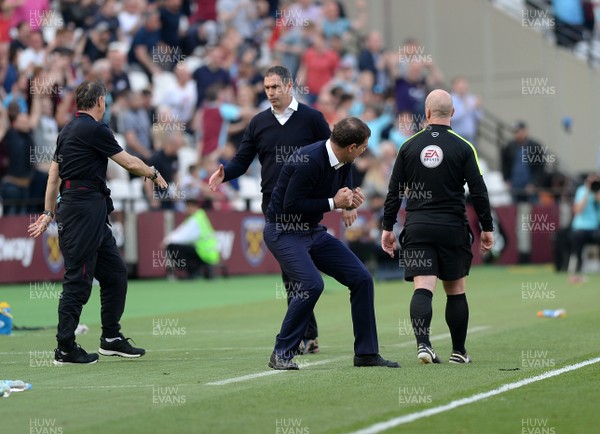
<point x="586" y="221"/>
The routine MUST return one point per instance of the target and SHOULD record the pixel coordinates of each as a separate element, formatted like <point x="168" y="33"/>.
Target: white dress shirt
<point x="282" y="118"/>
<point x="335" y="163"/>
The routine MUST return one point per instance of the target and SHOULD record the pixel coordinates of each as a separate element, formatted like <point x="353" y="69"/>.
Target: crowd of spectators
<point x="185" y="77"/>
<point x="184" y="74"/>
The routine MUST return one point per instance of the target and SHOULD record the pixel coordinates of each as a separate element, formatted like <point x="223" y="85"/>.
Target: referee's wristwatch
<point x="154" y="174"/>
<point x="49" y="213"/>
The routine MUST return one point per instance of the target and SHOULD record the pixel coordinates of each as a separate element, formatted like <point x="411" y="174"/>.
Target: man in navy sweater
<point x="312" y="182"/>
<point x="274" y="135"/>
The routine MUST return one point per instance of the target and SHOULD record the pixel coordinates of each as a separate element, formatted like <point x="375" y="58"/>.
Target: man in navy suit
<point x="312" y="182"/>
<point x="273" y="135"/>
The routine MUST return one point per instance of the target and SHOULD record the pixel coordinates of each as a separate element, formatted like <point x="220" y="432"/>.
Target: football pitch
<point x="208" y="344"/>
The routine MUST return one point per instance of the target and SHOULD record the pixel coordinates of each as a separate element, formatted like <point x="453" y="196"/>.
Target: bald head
<point x="438" y="105"/>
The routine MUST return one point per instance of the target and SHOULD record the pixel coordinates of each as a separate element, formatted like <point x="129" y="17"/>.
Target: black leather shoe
<point x="374" y="360"/>
<point x="77" y="355"/>
<point x="282" y="364"/>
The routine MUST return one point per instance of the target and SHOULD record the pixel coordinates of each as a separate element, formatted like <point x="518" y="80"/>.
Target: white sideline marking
<point x="383" y="426"/>
<point x="157" y="350"/>
<point x="324" y="362"/>
<point x="267" y="373"/>
<point x="244" y="378"/>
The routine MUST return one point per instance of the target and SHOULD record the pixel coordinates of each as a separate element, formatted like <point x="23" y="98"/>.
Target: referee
<point x="78" y="172"/>
<point x="430" y="172"/>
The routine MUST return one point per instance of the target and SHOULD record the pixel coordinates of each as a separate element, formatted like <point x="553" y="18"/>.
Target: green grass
<point x="226" y="328"/>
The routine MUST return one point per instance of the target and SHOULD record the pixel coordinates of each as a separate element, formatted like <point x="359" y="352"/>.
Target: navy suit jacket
<point x="305" y="185"/>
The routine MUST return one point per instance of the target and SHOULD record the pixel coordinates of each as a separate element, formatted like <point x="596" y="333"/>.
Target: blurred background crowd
<point x="185" y="78"/>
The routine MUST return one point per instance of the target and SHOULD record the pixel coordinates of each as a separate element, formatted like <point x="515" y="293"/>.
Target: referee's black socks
<point x="420" y="314"/>
<point x="457" y="318"/>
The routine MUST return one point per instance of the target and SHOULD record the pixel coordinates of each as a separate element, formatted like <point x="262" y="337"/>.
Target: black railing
<point x="494" y="132"/>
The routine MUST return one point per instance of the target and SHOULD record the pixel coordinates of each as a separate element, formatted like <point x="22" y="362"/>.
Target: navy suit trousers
<point x="302" y="256"/>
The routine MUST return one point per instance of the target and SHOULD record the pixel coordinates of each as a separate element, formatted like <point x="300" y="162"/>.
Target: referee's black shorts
<point x="436" y="250"/>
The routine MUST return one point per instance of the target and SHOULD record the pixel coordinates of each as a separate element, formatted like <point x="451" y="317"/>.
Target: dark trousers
<point x="579" y="238"/>
<point x="184" y="256"/>
<point x="105" y="264"/>
<point x="302" y="257"/>
<point x="312" y="329"/>
<point x="561" y="245"/>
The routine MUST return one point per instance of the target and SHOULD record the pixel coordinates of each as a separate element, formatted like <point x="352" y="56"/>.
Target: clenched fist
<point x="357" y="198"/>
<point x="343" y="198"/>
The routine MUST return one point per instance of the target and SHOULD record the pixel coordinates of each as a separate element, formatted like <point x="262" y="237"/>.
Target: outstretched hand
<point x="216" y="178"/>
<point x="160" y="181"/>
<point x="39" y="227"/>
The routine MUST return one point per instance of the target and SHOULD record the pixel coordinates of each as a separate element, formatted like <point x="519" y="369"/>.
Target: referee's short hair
<point x="350" y="130"/>
<point x="87" y="94"/>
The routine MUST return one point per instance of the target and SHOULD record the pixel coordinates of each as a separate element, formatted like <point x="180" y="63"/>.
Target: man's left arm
<point x="392" y="206"/>
<point x="105" y="143"/>
<point x="478" y="191"/>
<point x="39" y="227"/>
<point x="392" y="200"/>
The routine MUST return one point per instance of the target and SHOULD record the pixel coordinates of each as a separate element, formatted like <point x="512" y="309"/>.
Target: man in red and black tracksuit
<point x="430" y="173"/>
<point x="78" y="173"/>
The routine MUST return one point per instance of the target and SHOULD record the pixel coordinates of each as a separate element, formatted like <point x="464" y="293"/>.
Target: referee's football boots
<point x="459" y="358"/>
<point x="121" y="347"/>
<point x="76" y="355"/>
<point x="426" y="355"/>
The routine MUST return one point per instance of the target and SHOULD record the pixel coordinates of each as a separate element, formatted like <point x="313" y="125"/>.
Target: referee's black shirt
<point x="82" y="149"/>
<point x="430" y="172"/>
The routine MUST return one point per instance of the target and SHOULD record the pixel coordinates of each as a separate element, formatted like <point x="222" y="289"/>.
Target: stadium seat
<point x="250" y="191"/>
<point x="120" y="192"/>
<point x="138" y="80"/>
<point x="497" y="191"/>
<point x="116" y="172"/>
<point x="192" y="63"/>
<point x="238" y="204"/>
<point x="137" y="195"/>
<point x="187" y="156"/>
<point x="162" y="83"/>
<point x="49" y="31"/>
<point x="137" y="188"/>
<point x="120" y="138"/>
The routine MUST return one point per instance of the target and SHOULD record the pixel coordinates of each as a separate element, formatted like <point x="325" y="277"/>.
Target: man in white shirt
<point x="34" y="55"/>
